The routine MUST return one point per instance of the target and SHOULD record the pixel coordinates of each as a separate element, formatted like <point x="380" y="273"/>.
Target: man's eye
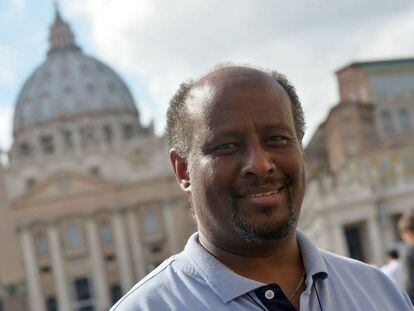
<point x="227" y="146"/>
<point x="277" y="139"/>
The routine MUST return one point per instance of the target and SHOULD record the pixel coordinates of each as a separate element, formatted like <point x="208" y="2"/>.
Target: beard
<point x="259" y="234"/>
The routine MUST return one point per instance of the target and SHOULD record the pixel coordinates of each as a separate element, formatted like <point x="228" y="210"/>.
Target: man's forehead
<point x="221" y="81"/>
<point x="233" y="76"/>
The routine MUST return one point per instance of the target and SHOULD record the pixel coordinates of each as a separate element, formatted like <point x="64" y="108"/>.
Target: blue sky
<point x="154" y="45"/>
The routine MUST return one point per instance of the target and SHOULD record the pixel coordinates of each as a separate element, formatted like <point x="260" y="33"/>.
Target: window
<point x="348" y="128"/>
<point x="45" y="269"/>
<point x="351" y="149"/>
<point x="30" y="182"/>
<point x="111" y="87"/>
<point x="107" y="131"/>
<point x="106" y="233"/>
<point x="51" y="304"/>
<point x="116" y="293"/>
<point x="87" y="136"/>
<point x="82" y="289"/>
<point x="385" y="163"/>
<point x="94" y="170"/>
<point x="151" y="222"/>
<point x="110" y="258"/>
<point x="155" y="249"/>
<point x="25" y="150"/>
<point x="67" y="139"/>
<point x="407" y="159"/>
<point x="73" y="236"/>
<point x="90" y="88"/>
<point x="128" y="131"/>
<point x="41" y="245"/>
<point x="387" y="121"/>
<point x="46" y="142"/>
<point x="352" y="97"/>
<point x="83" y="295"/>
<point x="404" y="118"/>
<point x="353" y="236"/>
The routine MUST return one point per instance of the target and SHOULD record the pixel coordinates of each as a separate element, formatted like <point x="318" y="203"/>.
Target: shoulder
<point x="160" y="287"/>
<point x="337" y="262"/>
<point x="353" y="270"/>
<point x="361" y="279"/>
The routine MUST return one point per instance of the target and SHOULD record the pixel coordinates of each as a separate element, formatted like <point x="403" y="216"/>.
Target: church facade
<point x="88" y="198"/>
<point x="361" y="162"/>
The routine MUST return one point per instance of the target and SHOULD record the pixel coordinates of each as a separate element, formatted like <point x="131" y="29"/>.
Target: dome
<point x="68" y="84"/>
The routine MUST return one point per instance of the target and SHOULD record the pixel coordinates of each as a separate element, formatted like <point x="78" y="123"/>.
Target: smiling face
<point x="245" y="169"/>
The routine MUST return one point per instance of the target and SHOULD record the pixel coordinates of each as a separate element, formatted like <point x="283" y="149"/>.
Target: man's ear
<point x="180" y="168"/>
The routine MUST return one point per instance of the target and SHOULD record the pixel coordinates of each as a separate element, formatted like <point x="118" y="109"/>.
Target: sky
<point x="154" y="45"/>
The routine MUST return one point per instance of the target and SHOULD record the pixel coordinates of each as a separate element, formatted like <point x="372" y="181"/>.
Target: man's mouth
<point x="263" y="197"/>
<point x="263" y="194"/>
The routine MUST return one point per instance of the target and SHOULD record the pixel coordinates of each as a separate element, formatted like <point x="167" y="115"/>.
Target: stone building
<point x="88" y="201"/>
<point x="361" y="162"/>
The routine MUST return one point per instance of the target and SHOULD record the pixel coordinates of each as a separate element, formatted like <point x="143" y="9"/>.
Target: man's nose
<point x="257" y="161"/>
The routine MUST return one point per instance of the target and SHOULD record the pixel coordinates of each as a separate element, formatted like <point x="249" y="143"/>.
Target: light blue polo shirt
<point x="195" y="280"/>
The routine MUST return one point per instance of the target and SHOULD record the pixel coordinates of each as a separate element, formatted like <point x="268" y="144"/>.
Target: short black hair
<point x="180" y="124"/>
<point x="393" y="253"/>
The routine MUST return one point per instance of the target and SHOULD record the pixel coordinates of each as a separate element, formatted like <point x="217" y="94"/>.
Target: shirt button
<point x="269" y="294"/>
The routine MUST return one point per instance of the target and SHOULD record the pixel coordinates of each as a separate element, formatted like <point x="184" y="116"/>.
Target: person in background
<point x="406" y="228"/>
<point x="393" y="268"/>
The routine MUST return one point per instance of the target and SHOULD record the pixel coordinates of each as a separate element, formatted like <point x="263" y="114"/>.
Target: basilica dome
<point x="69" y="84"/>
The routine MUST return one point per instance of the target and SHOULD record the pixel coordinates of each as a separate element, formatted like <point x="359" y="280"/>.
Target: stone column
<point x="36" y="299"/>
<point x="136" y="244"/>
<point x="58" y="268"/>
<point x="168" y="210"/>
<point x="121" y="246"/>
<point x="376" y="248"/>
<point x="100" y="283"/>
<point x="338" y="241"/>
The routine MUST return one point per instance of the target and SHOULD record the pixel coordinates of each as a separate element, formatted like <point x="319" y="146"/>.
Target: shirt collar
<point x="228" y="285"/>
<point x="312" y="259"/>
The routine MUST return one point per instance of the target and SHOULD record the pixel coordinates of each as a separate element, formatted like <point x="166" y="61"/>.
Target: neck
<point x="269" y="262"/>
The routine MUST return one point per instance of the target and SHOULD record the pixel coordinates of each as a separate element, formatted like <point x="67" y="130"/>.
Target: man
<point x="236" y="150"/>
<point x="393" y="267"/>
<point x="406" y="228"/>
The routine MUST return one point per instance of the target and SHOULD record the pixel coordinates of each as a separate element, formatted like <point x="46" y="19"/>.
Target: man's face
<point x="246" y="165"/>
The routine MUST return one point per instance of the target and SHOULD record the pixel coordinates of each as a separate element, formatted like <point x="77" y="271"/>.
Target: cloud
<point x="8" y="65"/>
<point x="18" y="4"/>
<point x="394" y="38"/>
<point x="165" y="42"/>
<point x="6" y="116"/>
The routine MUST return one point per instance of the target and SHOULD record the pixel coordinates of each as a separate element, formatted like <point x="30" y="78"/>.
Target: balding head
<point x="190" y="96"/>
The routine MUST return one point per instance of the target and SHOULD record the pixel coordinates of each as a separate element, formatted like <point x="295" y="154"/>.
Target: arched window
<point x="387" y="121"/>
<point x="106" y="233"/>
<point x="67" y="139"/>
<point x="151" y="222"/>
<point x="128" y="131"/>
<point x="25" y="150"/>
<point x="46" y="143"/>
<point x="73" y="236"/>
<point x="107" y="132"/>
<point x="404" y="115"/>
<point x="41" y="245"/>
